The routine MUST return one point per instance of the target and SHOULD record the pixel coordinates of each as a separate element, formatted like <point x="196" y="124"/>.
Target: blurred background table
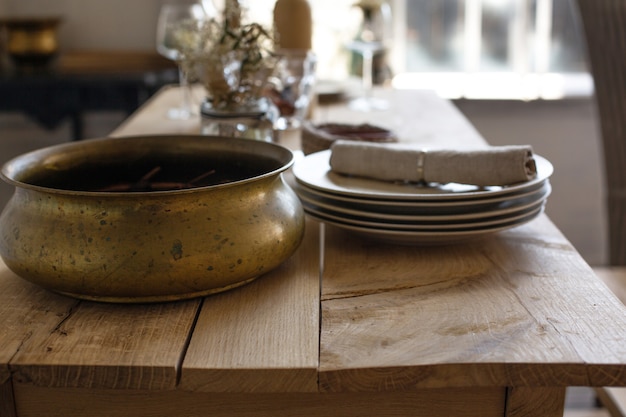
<point x="79" y="82"/>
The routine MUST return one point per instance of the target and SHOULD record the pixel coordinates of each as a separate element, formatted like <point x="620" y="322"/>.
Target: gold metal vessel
<point x="31" y="41"/>
<point x="151" y="218"/>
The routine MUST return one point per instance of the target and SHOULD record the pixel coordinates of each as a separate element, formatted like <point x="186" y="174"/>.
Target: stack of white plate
<point x="407" y="213"/>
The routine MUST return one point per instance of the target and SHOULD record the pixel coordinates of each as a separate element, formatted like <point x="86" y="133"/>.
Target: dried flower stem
<point x="232" y="59"/>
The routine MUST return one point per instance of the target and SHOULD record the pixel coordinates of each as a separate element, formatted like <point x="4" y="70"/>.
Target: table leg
<point x="531" y="402"/>
<point x="7" y="401"/>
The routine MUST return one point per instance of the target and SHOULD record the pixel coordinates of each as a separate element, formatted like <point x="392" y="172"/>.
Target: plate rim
<point x="545" y="169"/>
<point x="541" y="193"/>
<point x="443" y="227"/>
<point x="430" y="238"/>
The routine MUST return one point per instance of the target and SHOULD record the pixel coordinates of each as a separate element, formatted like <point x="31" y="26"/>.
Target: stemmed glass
<point x="372" y="39"/>
<point x="173" y="20"/>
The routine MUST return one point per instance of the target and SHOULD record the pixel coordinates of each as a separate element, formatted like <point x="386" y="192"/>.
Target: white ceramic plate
<point x="365" y="209"/>
<point x="422" y="226"/>
<point x="430" y="237"/>
<point x="314" y="171"/>
<point x="427" y="206"/>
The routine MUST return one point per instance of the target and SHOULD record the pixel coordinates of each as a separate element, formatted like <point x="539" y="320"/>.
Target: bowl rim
<point x="18" y="164"/>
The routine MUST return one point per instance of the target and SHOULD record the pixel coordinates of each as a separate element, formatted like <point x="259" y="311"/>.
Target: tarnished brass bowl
<point x="151" y="218"/>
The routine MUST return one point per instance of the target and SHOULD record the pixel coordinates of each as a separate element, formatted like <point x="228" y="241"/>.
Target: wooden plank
<point x="263" y="337"/>
<point x="535" y="402"/>
<point x="59" y="402"/>
<point x="509" y="310"/>
<point x="151" y="118"/>
<point x="100" y="345"/>
<point x="27" y="312"/>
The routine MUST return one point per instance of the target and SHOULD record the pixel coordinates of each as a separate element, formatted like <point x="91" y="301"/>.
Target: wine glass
<point x="371" y="40"/>
<point x="173" y="20"/>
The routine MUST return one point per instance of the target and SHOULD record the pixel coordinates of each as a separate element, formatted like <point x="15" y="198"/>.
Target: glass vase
<point x="255" y="120"/>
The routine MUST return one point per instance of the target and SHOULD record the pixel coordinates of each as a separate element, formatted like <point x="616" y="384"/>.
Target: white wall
<point x="131" y="25"/>
<point x="95" y="24"/>
<point x="101" y="24"/>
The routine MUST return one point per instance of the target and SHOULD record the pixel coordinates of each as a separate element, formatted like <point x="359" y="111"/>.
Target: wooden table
<point x="493" y="327"/>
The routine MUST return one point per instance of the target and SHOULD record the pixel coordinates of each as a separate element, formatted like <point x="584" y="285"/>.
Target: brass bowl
<point x="151" y="218"/>
<point x="32" y="42"/>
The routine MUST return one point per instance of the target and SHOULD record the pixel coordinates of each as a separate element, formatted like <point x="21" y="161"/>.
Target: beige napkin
<point x="496" y="165"/>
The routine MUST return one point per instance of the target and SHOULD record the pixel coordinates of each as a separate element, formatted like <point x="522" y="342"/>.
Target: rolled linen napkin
<point x="496" y="165"/>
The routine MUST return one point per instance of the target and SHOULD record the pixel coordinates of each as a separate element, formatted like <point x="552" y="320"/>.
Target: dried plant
<point x="230" y="58"/>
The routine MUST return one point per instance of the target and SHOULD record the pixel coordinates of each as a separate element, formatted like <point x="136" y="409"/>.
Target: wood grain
<point x="425" y="331"/>
<point x="466" y="402"/>
<point x="545" y="402"/>
<point x="263" y="337"/>
<point x="28" y="312"/>
<point x="488" y="313"/>
<point x="108" y="346"/>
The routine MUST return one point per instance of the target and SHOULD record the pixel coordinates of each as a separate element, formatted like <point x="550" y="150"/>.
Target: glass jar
<point x="250" y="121"/>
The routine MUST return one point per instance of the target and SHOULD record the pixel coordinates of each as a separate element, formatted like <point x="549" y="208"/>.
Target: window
<point x="522" y="49"/>
<point x="491" y="48"/>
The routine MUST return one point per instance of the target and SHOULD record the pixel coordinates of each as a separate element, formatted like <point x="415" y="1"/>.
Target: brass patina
<point x="86" y="222"/>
